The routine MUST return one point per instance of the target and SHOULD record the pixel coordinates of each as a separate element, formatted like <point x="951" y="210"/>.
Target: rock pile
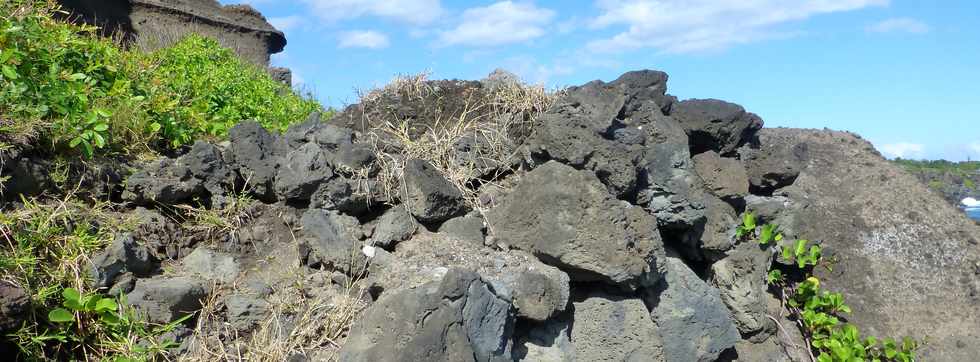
<point x="612" y="239"/>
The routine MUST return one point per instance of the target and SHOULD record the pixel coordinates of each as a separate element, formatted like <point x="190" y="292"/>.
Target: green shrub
<point x="64" y="85"/>
<point x="57" y="76"/>
<point x="817" y="311"/>
<point x="199" y="88"/>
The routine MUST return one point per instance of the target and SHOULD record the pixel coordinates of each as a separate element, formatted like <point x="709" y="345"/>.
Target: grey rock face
<point x="165" y="299"/>
<point x="877" y="220"/>
<point x="301" y="173"/>
<point x="643" y="86"/>
<point x="566" y="218"/>
<point x="353" y="156"/>
<point x="775" y="163"/>
<point x="723" y="177"/>
<point x="541" y="293"/>
<point x="245" y="312"/>
<point x="718" y="232"/>
<point x="469" y="228"/>
<point x="456" y="319"/>
<point x="346" y="196"/>
<point x="199" y="173"/>
<point x="669" y="186"/>
<point x="256" y="154"/>
<point x="332" y="240"/>
<point x="580" y="131"/>
<point x="548" y="341"/>
<point x="394" y="226"/>
<point x="123" y="255"/>
<point x="14" y="304"/>
<point x="693" y="321"/>
<point x="714" y="125"/>
<point x="164" y="181"/>
<point x="612" y="328"/>
<point x="315" y="130"/>
<point x="428" y="195"/>
<point x="211" y="265"/>
<point x="741" y="278"/>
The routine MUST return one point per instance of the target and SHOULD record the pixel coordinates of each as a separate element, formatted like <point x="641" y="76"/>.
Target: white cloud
<point x="286" y="23"/>
<point x="903" y="150"/>
<point x="679" y="26"/>
<point x="369" y="39"/>
<point x="504" y="22"/>
<point x="418" y="12"/>
<point x="899" y="25"/>
<point x="531" y="70"/>
<point x="975" y="146"/>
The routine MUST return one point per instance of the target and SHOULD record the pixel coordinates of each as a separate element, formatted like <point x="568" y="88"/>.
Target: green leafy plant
<point x="802" y="255"/>
<point x="747" y="228"/>
<point x="769" y="233"/>
<point x="96" y="323"/>
<point x="819" y="313"/>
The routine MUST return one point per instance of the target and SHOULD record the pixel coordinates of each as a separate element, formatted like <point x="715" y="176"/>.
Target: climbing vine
<point x="818" y="313"/>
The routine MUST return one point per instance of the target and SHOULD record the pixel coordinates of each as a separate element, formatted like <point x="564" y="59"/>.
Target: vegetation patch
<point x="76" y="92"/>
<point x="819" y="314"/>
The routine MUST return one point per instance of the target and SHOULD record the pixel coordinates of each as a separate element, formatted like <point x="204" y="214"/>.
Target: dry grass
<point x="300" y="322"/>
<point x="497" y="119"/>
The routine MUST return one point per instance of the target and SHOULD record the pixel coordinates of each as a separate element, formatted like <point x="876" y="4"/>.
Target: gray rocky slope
<point x="611" y="240"/>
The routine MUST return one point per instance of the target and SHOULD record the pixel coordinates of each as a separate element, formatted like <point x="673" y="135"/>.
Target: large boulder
<point x="642" y="87"/>
<point x="394" y="226"/>
<point x="714" y="125"/>
<point x="614" y="328"/>
<point x="775" y="162"/>
<point x="14" y="305"/>
<point x="122" y="256"/>
<point x="255" y="154"/>
<point x="428" y="195"/>
<point x="717" y="235"/>
<point x="724" y="177"/>
<point x="669" y="187"/>
<point x="459" y="318"/>
<point x="331" y="240"/>
<point x="566" y="218"/>
<point x="163" y="181"/>
<point x="693" y="322"/>
<point x="741" y="278"/>
<point x="164" y="299"/>
<point x="211" y="265"/>
<point x="537" y="291"/>
<point x="302" y="172"/>
<point x="581" y="131"/>
<point x="469" y="228"/>
<point x="899" y="251"/>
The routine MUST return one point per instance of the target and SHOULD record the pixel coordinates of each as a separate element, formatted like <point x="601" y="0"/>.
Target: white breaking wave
<point x="970" y="202"/>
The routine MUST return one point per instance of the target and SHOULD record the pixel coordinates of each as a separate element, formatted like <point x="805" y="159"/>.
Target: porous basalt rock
<point x="567" y="218"/>
<point x="690" y="316"/>
<point x="428" y="195"/>
<point x="459" y="318"/>
<point x="714" y="125"/>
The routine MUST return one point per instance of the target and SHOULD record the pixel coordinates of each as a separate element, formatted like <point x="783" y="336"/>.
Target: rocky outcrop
<point x="900" y="250"/>
<point x="239" y="27"/>
<point x="605" y="239"/>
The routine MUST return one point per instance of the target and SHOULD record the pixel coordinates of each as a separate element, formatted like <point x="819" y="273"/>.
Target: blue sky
<point x="903" y="74"/>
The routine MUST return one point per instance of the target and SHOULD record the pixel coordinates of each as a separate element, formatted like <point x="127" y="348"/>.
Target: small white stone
<point x="368" y="251"/>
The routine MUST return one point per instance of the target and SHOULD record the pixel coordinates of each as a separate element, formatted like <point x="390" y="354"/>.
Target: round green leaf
<point x="60" y="315"/>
